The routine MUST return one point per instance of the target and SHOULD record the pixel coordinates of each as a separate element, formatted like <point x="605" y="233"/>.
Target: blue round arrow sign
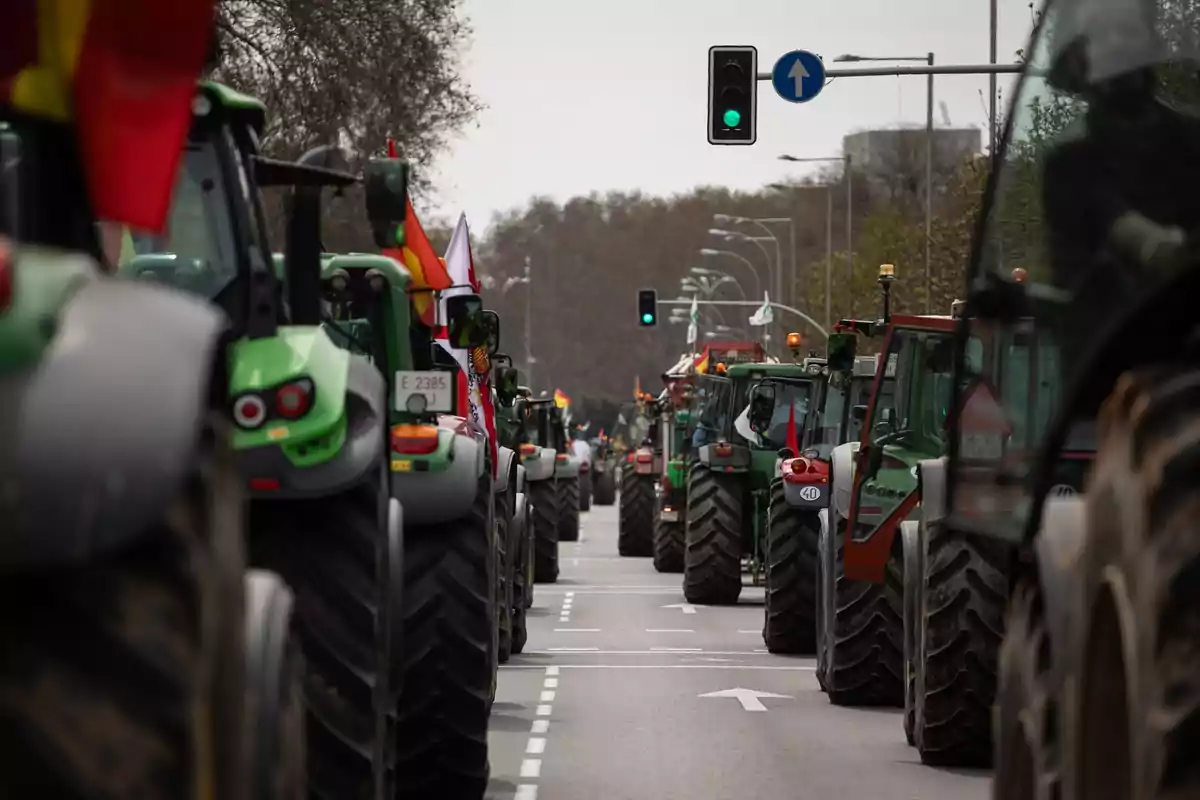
<point x="798" y="76"/>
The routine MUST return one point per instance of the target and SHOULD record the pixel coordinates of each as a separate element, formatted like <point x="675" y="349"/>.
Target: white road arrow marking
<point x="686" y="608"/>
<point x="798" y="73"/>
<point x="749" y="698"/>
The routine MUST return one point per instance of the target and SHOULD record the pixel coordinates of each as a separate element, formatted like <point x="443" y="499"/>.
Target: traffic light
<point x="732" y="92"/>
<point x="647" y="307"/>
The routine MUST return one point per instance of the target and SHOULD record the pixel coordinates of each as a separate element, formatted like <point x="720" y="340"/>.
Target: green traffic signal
<point x="647" y="318"/>
<point x="732" y="118"/>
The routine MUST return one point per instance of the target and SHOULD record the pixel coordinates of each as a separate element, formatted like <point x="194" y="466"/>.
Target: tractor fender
<point x="518" y="517"/>
<point x="104" y="430"/>
<point x="541" y="467"/>
<point x="520" y="478"/>
<point x="568" y="468"/>
<point x="504" y="471"/>
<point x="931" y="487"/>
<point x="841" y="474"/>
<point x="361" y="454"/>
<point x="911" y="544"/>
<point x="430" y="498"/>
<point x="1057" y="549"/>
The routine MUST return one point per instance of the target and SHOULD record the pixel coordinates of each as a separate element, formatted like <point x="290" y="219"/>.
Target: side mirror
<point x="386" y="186"/>
<point x="492" y="322"/>
<point x="859" y="413"/>
<point x="466" y="322"/>
<point x="840" y="352"/>
<point x="762" y="407"/>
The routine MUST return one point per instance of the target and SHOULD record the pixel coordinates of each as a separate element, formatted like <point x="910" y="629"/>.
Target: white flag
<point x="764" y="315"/>
<point x="693" y="322"/>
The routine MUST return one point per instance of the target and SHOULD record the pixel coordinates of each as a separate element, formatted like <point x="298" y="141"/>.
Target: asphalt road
<point x="607" y="702"/>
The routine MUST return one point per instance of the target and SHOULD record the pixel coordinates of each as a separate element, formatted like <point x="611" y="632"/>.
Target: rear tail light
<point x="264" y="484"/>
<point x="249" y="411"/>
<point x="414" y="440"/>
<point x="644" y="458"/>
<point x="560" y="457"/>
<point x="800" y="466"/>
<point x="293" y="400"/>
<point x="6" y="274"/>
<point x="528" y="449"/>
<point x="723" y="449"/>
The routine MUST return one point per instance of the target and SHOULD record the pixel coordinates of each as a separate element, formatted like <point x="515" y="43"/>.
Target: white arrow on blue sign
<point x="798" y="76"/>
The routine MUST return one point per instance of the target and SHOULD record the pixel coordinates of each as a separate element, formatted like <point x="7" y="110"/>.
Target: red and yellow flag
<point x="426" y="267"/>
<point x="125" y="72"/>
<point x="560" y="399"/>
<point x="701" y="363"/>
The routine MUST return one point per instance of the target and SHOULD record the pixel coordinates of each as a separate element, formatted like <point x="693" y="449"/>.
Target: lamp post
<point x="927" y="58"/>
<point x="710" y="252"/>
<point x="828" y="189"/>
<point x="738" y="236"/>
<point x="849" y="177"/>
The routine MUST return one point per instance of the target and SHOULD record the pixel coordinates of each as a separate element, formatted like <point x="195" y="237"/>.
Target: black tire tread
<point x="789" y="625"/>
<point x="635" y="523"/>
<point x="668" y="545"/>
<point x="544" y="520"/>
<point x="568" y="509"/>
<point x="449" y="626"/>
<point x="712" y="571"/>
<point x="604" y="489"/>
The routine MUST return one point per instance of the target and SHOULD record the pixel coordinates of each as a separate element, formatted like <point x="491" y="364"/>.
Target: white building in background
<point x="882" y="150"/>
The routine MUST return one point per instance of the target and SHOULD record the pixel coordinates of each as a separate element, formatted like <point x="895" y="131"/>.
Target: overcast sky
<point x="591" y="96"/>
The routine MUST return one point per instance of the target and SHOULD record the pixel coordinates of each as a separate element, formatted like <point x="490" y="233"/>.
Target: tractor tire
<point x="568" y="509"/>
<point x="790" y="622"/>
<point x="823" y="616"/>
<point x="585" y="491"/>
<point x="960" y="625"/>
<point x="124" y="676"/>
<point x="668" y="545"/>
<point x="544" y="497"/>
<point x="712" y="568"/>
<point x="1027" y="744"/>
<point x="635" y="522"/>
<point x="328" y="550"/>
<point x="504" y="576"/>
<point x="522" y="580"/>
<point x="449" y="665"/>
<point x="604" y="489"/>
<point x="275" y="691"/>
<point x="864" y="640"/>
<point x="1133" y="638"/>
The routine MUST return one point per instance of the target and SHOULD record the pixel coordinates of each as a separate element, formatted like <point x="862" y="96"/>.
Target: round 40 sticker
<point x="810" y="493"/>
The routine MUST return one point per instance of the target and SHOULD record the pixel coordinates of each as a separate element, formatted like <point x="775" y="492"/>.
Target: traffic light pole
<point x="945" y="69"/>
<point x="755" y="303"/>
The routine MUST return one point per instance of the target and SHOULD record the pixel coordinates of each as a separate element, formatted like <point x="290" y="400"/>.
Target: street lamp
<point x="828" y="189"/>
<point x="849" y="177"/>
<point x="761" y="222"/>
<point x="710" y="252"/>
<point x="773" y="268"/>
<point x="927" y="58"/>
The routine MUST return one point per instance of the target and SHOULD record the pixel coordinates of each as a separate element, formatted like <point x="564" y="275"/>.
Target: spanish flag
<point x="124" y="72"/>
<point x="701" y="363"/>
<point x="560" y="399"/>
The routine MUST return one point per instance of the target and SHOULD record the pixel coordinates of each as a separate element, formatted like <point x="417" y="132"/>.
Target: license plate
<point x="670" y="516"/>
<point x="437" y="388"/>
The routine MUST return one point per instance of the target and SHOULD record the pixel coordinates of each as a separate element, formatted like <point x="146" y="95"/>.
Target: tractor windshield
<point x="792" y="399"/>
<point x="922" y="389"/>
<point x="1089" y="206"/>
<point x="199" y="234"/>
<point x="839" y="423"/>
<point x="714" y="405"/>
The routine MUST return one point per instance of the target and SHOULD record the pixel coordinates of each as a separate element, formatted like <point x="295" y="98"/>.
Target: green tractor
<point x="127" y="609"/>
<point x="729" y="484"/>
<point x="567" y="468"/>
<point x="604" y="471"/>
<point x="675" y="434"/>
<point x="639" y="474"/>
<point x="541" y="453"/>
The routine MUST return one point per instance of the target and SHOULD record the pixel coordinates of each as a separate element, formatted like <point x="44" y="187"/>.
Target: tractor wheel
<point x="712" y="569"/>
<point x="544" y="498"/>
<point x="1131" y="655"/>
<point x="635" y="522"/>
<point x="864" y="637"/>
<point x="959" y="627"/>
<point x="522" y="578"/>
<point x="568" y="509"/>
<point x="668" y="545"/>
<point x="604" y="492"/>
<point x="1026" y="746"/>
<point x="505" y="561"/>
<point x="789" y="627"/>
<point x="275" y="691"/>
<point x="327" y="549"/>
<point x="124" y="676"/>
<point x="585" y="491"/>
<point x="823" y="616"/>
<point x="450" y="616"/>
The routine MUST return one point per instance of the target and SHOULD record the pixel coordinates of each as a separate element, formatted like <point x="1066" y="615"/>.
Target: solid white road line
<point x="669" y="630"/>
<point x="576" y="630"/>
